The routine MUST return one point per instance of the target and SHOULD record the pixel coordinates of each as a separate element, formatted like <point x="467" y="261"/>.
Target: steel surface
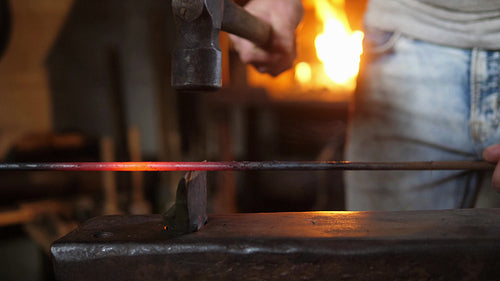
<point x="416" y="245"/>
<point x="245" y="165"/>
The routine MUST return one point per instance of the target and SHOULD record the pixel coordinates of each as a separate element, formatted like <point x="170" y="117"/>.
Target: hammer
<point x="197" y="57"/>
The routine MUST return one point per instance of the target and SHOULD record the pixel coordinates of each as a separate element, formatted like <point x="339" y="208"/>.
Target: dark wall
<point x="102" y="68"/>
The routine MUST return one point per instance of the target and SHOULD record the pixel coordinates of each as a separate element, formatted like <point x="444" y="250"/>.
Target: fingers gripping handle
<point x="239" y="22"/>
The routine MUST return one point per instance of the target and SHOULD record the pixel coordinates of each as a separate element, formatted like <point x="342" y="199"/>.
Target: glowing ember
<point x="303" y="73"/>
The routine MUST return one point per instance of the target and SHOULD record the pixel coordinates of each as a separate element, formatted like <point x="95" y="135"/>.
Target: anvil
<point x="411" y="245"/>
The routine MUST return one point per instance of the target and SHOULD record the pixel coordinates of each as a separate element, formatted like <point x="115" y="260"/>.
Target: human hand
<point x="284" y="17"/>
<point x="492" y="154"/>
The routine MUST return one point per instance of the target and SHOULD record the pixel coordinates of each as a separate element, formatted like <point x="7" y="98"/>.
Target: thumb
<point x="492" y="154"/>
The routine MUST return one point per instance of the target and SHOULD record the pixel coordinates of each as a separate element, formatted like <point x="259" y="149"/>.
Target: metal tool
<point x="196" y="60"/>
<point x="246" y="166"/>
<point x="189" y="213"/>
<point x="411" y="245"/>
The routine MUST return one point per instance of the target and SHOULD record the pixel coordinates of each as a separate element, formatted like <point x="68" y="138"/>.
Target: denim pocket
<point x="377" y="41"/>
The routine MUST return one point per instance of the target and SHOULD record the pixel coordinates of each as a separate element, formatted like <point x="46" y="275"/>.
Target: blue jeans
<point x="418" y="101"/>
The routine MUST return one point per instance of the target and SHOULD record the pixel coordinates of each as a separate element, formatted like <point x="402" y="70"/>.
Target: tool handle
<point x="239" y="22"/>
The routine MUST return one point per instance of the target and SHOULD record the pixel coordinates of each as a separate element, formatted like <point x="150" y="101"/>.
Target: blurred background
<point x="89" y="80"/>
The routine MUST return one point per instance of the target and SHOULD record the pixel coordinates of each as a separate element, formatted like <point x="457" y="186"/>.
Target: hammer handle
<point x="239" y="22"/>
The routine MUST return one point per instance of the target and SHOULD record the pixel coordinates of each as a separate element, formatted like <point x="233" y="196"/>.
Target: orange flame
<point x="328" y="57"/>
<point x="337" y="46"/>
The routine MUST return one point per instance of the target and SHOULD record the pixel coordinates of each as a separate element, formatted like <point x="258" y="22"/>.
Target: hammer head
<point x="196" y="59"/>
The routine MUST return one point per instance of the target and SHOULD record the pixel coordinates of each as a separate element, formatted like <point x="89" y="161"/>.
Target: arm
<point x="284" y="17"/>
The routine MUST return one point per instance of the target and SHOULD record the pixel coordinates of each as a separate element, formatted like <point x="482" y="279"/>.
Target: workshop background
<point x="89" y="80"/>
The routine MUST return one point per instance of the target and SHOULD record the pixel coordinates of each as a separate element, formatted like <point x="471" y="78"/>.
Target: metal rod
<point x="247" y="166"/>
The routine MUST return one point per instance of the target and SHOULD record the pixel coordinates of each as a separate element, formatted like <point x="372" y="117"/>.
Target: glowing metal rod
<point x="247" y="166"/>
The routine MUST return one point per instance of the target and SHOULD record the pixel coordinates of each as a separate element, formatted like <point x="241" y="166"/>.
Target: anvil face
<point x="416" y="245"/>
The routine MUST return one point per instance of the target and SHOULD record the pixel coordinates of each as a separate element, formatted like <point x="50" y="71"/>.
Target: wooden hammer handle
<point x="238" y="21"/>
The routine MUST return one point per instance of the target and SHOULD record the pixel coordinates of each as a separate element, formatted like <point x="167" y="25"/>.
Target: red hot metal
<point x="246" y="166"/>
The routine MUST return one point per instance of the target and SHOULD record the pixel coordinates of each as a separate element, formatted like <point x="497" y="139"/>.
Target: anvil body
<point x="414" y="245"/>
